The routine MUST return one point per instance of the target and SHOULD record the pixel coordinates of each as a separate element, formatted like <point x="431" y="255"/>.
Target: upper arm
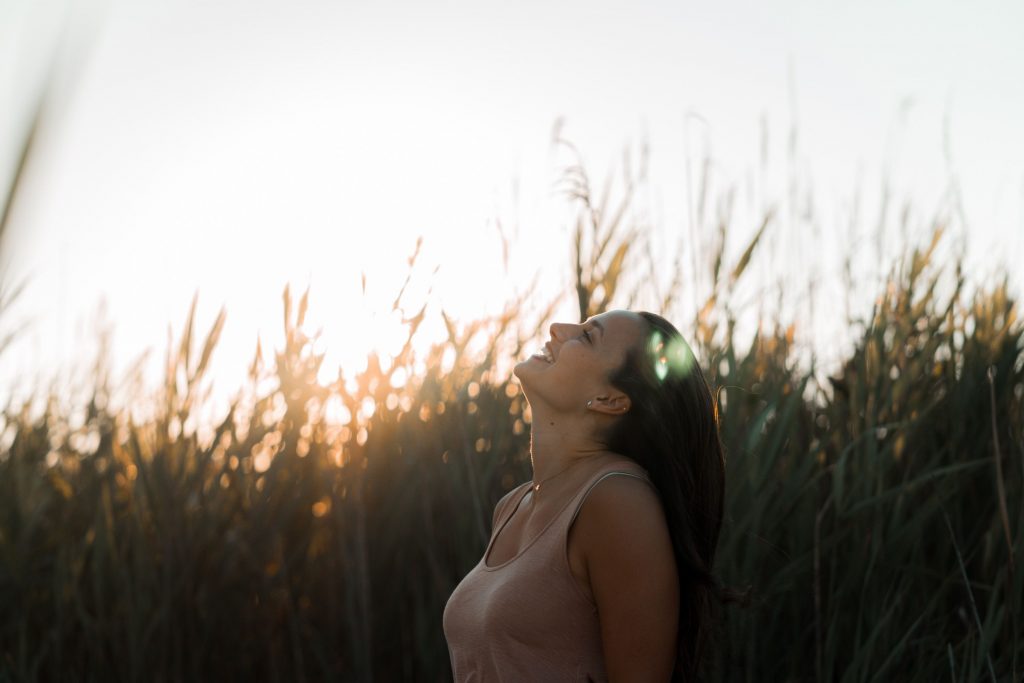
<point x="633" y="578"/>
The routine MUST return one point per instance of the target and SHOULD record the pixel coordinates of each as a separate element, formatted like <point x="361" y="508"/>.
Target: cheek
<point x="578" y="367"/>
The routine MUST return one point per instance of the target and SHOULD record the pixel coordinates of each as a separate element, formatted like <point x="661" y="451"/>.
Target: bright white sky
<point x="232" y="146"/>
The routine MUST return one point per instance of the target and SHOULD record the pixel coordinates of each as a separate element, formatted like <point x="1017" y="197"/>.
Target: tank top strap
<point x="504" y="507"/>
<point x="620" y="468"/>
<point x="507" y="505"/>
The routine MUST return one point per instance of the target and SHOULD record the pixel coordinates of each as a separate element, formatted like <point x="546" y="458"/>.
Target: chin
<point x="522" y="372"/>
<point x="517" y="369"/>
<point x="528" y="371"/>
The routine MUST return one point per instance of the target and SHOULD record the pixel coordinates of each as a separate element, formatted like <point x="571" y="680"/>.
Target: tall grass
<point x="879" y="522"/>
<point x="316" y="531"/>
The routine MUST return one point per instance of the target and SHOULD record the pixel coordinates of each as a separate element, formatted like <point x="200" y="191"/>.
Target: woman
<point x="590" y="576"/>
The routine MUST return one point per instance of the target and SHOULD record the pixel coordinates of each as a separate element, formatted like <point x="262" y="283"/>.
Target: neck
<point x="560" y="441"/>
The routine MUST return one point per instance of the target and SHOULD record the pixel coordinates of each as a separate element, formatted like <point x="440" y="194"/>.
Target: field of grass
<point x="315" y="531"/>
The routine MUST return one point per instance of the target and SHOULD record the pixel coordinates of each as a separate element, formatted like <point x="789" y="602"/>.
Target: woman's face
<point x="583" y="355"/>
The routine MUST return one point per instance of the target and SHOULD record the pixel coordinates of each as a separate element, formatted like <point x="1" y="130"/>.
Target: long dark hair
<point x="671" y="430"/>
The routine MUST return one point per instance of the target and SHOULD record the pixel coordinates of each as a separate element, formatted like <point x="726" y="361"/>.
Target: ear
<point x="614" y="404"/>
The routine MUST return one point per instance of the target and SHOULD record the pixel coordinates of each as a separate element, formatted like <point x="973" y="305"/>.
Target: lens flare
<point x="671" y="357"/>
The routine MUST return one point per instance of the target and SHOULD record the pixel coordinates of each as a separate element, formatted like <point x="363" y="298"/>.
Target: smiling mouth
<point x="545" y="355"/>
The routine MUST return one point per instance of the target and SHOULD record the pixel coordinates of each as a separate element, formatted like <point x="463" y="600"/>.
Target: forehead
<point x="620" y="327"/>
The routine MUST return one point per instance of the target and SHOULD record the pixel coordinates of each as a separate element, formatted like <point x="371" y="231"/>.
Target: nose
<point x="560" y="330"/>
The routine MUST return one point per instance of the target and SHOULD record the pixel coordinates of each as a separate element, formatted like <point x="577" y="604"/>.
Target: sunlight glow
<point x="236" y="166"/>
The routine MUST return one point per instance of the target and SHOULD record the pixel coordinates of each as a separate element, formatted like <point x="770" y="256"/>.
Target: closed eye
<point x="587" y="335"/>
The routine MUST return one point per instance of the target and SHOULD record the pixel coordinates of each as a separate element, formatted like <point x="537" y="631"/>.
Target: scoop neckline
<point x="494" y="537"/>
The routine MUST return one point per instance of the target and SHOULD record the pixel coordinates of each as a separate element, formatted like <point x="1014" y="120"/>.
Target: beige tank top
<point x="527" y="619"/>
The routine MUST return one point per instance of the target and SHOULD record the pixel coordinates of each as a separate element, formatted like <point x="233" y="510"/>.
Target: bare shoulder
<point x="619" y="501"/>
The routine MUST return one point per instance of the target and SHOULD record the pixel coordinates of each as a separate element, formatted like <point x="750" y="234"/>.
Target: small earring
<point x="590" y="403"/>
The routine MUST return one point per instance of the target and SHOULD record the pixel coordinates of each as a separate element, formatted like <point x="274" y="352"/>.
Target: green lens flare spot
<point x="671" y="357"/>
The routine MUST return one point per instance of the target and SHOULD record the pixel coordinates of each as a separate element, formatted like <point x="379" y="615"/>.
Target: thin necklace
<point x="536" y="487"/>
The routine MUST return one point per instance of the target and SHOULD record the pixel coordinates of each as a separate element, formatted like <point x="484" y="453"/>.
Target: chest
<point x="523" y="527"/>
